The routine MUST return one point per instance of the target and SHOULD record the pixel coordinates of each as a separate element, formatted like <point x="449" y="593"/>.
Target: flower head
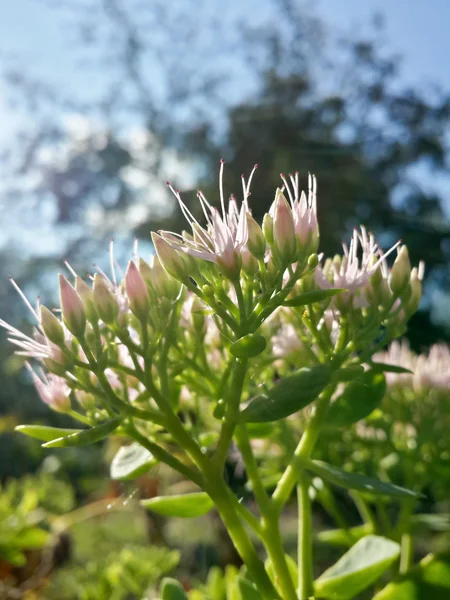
<point x="52" y="390"/>
<point x="225" y="234"/>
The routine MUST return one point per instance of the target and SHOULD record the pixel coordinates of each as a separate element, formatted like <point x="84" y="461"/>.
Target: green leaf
<point x="314" y="296"/>
<point x="430" y="580"/>
<point x="359" y="399"/>
<point x="13" y="556"/>
<point x="131" y="462"/>
<point x="385" y="368"/>
<point x="85" y="436"/>
<point x="435" y="522"/>
<point x="44" y="433"/>
<point x="356" y="481"/>
<point x="248" y="346"/>
<point x="33" y="537"/>
<point x="248" y="589"/>
<point x="349" y="373"/>
<point x="344" y="537"/>
<point x="171" y="589"/>
<point x="186" y="505"/>
<point x="361" y="566"/>
<point x="215" y="584"/>
<point x="290" y="395"/>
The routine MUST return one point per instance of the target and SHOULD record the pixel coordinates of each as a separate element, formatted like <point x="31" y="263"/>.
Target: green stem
<point x="406" y="553"/>
<point x="233" y="399"/>
<point x="304" y="557"/>
<point x="219" y="492"/>
<point x="304" y="449"/>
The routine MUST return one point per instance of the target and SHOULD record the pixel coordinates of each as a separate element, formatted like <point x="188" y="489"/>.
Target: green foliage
<point x="293" y="393"/>
<point x="25" y="506"/>
<point x="130" y="462"/>
<point x="84" y="437"/>
<point x="361" y="566"/>
<point x="118" y="575"/>
<point x="359" y="399"/>
<point x="429" y="580"/>
<point x="185" y="506"/>
<point x="356" y="481"/>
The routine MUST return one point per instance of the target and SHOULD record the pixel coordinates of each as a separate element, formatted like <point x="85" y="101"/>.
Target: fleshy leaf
<point x="293" y="393"/>
<point x="356" y="481"/>
<point x="45" y="433"/>
<point x="171" y="589"/>
<point x="186" y="505"/>
<point x="363" y="564"/>
<point x="344" y="537"/>
<point x="314" y="296"/>
<point x="358" y="400"/>
<point x="85" y="437"/>
<point x="430" y="580"/>
<point x="385" y="368"/>
<point x="131" y="462"/>
<point x="248" y="346"/>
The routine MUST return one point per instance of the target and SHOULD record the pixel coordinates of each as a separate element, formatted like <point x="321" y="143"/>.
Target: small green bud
<point x="313" y="261"/>
<point x="401" y="271"/>
<point x="52" y="326"/>
<point x="104" y="300"/>
<point x="267" y="228"/>
<point x="174" y="263"/>
<point x="87" y="297"/>
<point x="256" y="241"/>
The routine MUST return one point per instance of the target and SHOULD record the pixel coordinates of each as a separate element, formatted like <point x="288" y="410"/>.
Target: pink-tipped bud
<point x="72" y="308"/>
<point x="137" y="292"/>
<point x="249" y="262"/>
<point x="171" y="260"/>
<point x="87" y="296"/>
<point x="256" y="242"/>
<point x="401" y="271"/>
<point x="105" y="301"/>
<point x="415" y="286"/>
<point x="52" y="326"/>
<point x="284" y="240"/>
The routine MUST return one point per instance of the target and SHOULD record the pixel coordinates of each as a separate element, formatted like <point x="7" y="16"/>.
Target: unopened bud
<point x="87" y="297"/>
<point x="401" y="271"/>
<point x="85" y="400"/>
<point x="256" y="242"/>
<point x="249" y="262"/>
<point x="171" y="260"/>
<point x="415" y="287"/>
<point x="137" y="292"/>
<point x="72" y="308"/>
<point x="52" y="326"/>
<point x="267" y="228"/>
<point x="104" y="300"/>
<point x="284" y="239"/>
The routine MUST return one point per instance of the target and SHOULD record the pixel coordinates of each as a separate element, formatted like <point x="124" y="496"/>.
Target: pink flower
<point x="52" y="390"/>
<point x="225" y="235"/>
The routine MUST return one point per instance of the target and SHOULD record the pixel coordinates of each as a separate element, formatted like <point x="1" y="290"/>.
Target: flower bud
<point x="284" y="239"/>
<point x="415" y="287"/>
<point x="267" y="227"/>
<point x="72" y="308"/>
<point x="52" y="326"/>
<point x="104" y="300"/>
<point x="87" y="297"/>
<point x="256" y="242"/>
<point x="137" y="292"/>
<point x="85" y="400"/>
<point x="249" y="262"/>
<point x="401" y="271"/>
<point x="171" y="260"/>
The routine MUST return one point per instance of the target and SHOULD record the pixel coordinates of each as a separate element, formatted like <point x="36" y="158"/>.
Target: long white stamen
<point x="70" y="269"/>
<point x="25" y="299"/>
<point x="287" y="188"/>
<point x="135" y="248"/>
<point x="111" y="262"/>
<point x="222" y="199"/>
